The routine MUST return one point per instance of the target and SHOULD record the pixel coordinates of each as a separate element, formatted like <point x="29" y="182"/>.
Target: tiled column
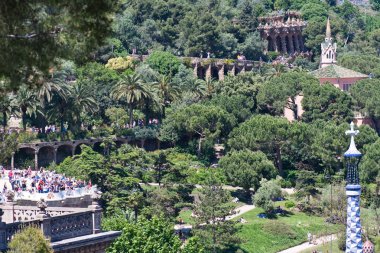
<point x="354" y="242"/>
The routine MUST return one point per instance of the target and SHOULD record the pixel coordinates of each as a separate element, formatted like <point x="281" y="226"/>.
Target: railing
<point x="79" y="223"/>
<point x="70" y="226"/>
<point x="12" y="228"/>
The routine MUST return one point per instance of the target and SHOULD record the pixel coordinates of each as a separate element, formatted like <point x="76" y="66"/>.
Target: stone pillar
<point x="221" y="73"/>
<point x="13" y="161"/>
<point x="354" y="242"/>
<point x="55" y="155"/>
<point x="301" y="43"/>
<point x="73" y="150"/>
<point x="96" y="212"/>
<point x="36" y="159"/>
<point x="44" y="218"/>
<point x="283" y="44"/>
<point x="196" y="70"/>
<point x="276" y="49"/>
<point x="296" y="42"/>
<point x="291" y="46"/>
<point x="208" y="72"/>
<point x="231" y="72"/>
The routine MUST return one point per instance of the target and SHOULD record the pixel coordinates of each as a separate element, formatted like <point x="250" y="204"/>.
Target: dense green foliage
<point x="265" y="196"/>
<point x="66" y="29"/>
<point x="155" y="235"/>
<point x="29" y="240"/>
<point x="246" y="168"/>
<point x="159" y="104"/>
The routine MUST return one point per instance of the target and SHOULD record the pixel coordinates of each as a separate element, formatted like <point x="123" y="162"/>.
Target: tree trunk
<point x="135" y="209"/>
<point x="24" y="119"/>
<point x="199" y="146"/>
<point x="4" y="120"/>
<point x="279" y="161"/>
<point x="131" y="115"/>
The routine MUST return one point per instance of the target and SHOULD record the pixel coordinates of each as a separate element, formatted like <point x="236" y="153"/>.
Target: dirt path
<point x="240" y="211"/>
<point x="306" y="245"/>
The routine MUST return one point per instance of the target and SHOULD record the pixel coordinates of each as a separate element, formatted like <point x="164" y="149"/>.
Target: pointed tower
<point x="328" y="48"/>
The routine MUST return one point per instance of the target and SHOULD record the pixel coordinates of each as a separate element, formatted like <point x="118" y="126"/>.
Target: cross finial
<point x="352" y="151"/>
<point x="352" y="132"/>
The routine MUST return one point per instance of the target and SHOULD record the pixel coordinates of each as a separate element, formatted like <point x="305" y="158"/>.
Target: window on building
<point x="346" y="86"/>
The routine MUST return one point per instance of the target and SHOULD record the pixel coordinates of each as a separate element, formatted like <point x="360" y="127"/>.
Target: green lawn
<point x="270" y="236"/>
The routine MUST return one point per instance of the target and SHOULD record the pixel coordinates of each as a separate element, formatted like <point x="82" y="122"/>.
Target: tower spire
<point x="328" y="28"/>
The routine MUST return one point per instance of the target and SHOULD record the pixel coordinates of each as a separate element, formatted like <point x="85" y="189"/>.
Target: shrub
<point x="29" y="240"/>
<point x="164" y="62"/>
<point x="289" y="204"/>
<point x="264" y="197"/>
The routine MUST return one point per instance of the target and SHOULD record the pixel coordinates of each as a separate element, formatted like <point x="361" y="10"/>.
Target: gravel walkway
<point x="306" y="245"/>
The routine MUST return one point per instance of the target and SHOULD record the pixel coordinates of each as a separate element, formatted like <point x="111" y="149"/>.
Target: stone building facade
<point x="283" y="32"/>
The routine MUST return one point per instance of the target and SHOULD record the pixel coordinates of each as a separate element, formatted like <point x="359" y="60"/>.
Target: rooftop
<point x="335" y="71"/>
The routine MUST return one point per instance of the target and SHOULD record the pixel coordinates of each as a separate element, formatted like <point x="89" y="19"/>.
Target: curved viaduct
<point x="207" y="68"/>
<point x="45" y="153"/>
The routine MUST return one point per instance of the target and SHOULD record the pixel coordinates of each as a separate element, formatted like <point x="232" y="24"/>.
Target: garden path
<point x="306" y="245"/>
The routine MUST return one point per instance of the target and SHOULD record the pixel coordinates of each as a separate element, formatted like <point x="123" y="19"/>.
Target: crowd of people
<point x="26" y="183"/>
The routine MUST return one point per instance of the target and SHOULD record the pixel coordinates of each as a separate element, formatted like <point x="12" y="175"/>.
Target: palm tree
<point x="133" y="90"/>
<point x="198" y="88"/>
<point x="26" y="100"/>
<point x="81" y="100"/>
<point x="60" y="105"/>
<point x="45" y="94"/>
<point x="210" y="87"/>
<point x="166" y="90"/>
<point x="6" y="108"/>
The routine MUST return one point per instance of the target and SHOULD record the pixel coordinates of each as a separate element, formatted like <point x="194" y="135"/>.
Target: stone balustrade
<point x="80" y="222"/>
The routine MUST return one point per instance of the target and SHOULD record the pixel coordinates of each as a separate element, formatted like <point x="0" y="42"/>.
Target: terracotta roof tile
<point x="335" y="71"/>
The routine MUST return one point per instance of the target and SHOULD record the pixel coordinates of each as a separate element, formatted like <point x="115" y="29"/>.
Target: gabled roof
<point x="335" y="71"/>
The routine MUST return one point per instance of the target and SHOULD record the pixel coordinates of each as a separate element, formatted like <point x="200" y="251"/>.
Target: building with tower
<point x="329" y="71"/>
<point x="328" y="48"/>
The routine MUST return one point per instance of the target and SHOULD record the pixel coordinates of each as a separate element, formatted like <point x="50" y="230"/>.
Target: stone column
<point x="96" y="212"/>
<point x="196" y="70"/>
<point x="283" y="44"/>
<point x="296" y="42"/>
<point x="36" y="159"/>
<point x="276" y="49"/>
<point x="55" y="155"/>
<point x="291" y="46"/>
<point x="44" y="218"/>
<point x="231" y="72"/>
<point x="208" y="72"/>
<point x="13" y="161"/>
<point x="221" y="73"/>
<point x="73" y="150"/>
<point x="354" y="242"/>
<point x="301" y="43"/>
